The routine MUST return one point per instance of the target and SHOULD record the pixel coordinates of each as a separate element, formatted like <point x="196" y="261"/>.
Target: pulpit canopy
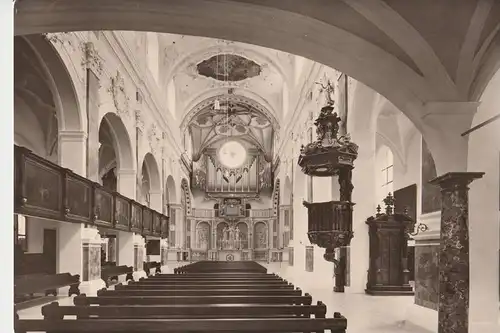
<point x="330" y="153"/>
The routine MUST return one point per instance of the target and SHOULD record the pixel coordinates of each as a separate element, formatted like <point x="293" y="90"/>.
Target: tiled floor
<point x="364" y="313"/>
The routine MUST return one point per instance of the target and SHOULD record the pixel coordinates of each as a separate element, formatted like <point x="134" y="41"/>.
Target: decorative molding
<point x="91" y="58"/>
<point x="118" y="92"/>
<point x="139" y="121"/>
<point x="151" y="94"/>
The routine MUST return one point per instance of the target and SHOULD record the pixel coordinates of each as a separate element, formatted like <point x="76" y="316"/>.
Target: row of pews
<point x="201" y="297"/>
<point x="25" y="286"/>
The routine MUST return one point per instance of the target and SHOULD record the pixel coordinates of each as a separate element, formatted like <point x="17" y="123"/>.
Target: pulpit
<point x="388" y="273"/>
<point x="330" y="223"/>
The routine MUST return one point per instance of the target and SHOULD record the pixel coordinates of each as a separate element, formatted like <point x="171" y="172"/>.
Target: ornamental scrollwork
<point x="119" y="95"/>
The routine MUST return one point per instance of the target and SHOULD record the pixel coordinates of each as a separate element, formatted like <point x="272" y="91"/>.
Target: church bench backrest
<point x="159" y="286"/>
<point x="338" y="324"/>
<point x="46" y="283"/>
<point x="208" y="292"/>
<point x="196" y="300"/>
<point x="55" y="311"/>
<point x="151" y="280"/>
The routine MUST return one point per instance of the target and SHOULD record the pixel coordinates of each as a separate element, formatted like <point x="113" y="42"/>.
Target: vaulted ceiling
<point x="249" y="83"/>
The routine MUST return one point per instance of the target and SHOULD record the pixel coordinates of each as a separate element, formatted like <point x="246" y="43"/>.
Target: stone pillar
<point x="126" y="183"/>
<point x="72" y="151"/>
<point x="453" y="310"/>
<point x="70" y="249"/>
<point x="156" y="201"/>
<point x="72" y="155"/>
<point x="139" y="253"/>
<point x="164" y="255"/>
<point x="91" y="273"/>
<point x="125" y="242"/>
<point x="363" y="195"/>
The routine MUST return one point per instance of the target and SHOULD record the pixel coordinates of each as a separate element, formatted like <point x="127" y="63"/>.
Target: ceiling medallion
<point x="228" y="68"/>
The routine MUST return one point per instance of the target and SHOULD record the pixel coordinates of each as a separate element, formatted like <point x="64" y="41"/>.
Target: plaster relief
<point x="119" y="95"/>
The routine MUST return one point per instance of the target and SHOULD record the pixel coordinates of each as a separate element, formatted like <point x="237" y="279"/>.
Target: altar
<point x="230" y="255"/>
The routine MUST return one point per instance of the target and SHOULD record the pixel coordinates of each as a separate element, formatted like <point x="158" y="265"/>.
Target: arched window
<point x="385" y="166"/>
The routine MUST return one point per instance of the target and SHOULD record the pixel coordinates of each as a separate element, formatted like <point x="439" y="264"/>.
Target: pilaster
<point x="72" y="151"/>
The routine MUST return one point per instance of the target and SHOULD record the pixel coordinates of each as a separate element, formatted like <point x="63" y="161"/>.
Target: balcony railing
<point x="46" y="190"/>
<point x="210" y="213"/>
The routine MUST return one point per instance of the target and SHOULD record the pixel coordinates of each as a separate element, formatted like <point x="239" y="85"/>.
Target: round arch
<point x="244" y="95"/>
<point x="121" y="141"/>
<point x="170" y="190"/>
<point x="326" y="43"/>
<point x="232" y="98"/>
<point x="64" y="93"/>
<point x="154" y="173"/>
<point x="186" y="196"/>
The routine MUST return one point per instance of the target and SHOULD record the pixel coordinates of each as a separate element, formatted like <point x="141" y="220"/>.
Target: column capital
<point x="453" y="180"/>
<point x="126" y="172"/>
<point x="72" y="136"/>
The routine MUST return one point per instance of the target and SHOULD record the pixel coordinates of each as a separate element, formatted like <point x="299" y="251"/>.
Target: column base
<point x="139" y="274"/>
<point x="475" y="327"/>
<point x="422" y="317"/>
<point x="90" y="288"/>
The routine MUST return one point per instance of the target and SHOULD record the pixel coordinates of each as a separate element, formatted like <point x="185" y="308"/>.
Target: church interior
<point x="350" y="148"/>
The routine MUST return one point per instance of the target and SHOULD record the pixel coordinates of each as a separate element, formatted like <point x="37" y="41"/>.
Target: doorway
<point x="50" y="250"/>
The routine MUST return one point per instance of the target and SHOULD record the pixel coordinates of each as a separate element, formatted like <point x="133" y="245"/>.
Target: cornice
<point x="122" y="50"/>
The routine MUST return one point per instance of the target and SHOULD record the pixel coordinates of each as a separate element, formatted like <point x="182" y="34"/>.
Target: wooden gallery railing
<point x="46" y="190"/>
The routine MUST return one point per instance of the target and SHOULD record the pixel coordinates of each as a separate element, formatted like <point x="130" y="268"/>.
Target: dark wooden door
<point x="50" y="250"/>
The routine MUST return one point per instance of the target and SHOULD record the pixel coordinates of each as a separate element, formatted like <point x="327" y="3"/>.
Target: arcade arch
<point x="149" y="191"/>
<point x="116" y="161"/>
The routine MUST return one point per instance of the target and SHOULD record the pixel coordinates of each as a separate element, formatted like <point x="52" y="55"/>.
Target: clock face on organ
<point x="232" y="154"/>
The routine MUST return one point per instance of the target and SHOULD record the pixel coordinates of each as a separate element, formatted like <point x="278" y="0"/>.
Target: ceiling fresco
<point x="229" y="67"/>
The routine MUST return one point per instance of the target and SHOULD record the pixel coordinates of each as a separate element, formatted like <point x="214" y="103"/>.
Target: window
<point x="385" y="162"/>
<point x="20" y="232"/>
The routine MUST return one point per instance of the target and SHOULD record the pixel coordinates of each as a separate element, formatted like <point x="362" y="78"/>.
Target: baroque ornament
<point x="120" y="98"/>
<point x="91" y="58"/>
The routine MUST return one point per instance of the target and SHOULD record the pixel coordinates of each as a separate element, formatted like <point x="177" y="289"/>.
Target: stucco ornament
<point x="91" y="58"/>
<point x="119" y="94"/>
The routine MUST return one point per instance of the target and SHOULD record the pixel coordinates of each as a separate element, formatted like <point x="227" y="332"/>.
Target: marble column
<point x="91" y="273"/>
<point x="453" y="309"/>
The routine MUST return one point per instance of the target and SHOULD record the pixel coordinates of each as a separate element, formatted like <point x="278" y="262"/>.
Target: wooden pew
<point x="147" y="286"/>
<point x="337" y="324"/>
<point x="30" y="284"/>
<point x="168" y="300"/>
<point x="207" y="292"/>
<point x="213" y="277"/>
<point x="221" y="266"/>
<point x="151" y="280"/>
<point x="147" y="266"/>
<point x="108" y="272"/>
<point x="55" y="311"/>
